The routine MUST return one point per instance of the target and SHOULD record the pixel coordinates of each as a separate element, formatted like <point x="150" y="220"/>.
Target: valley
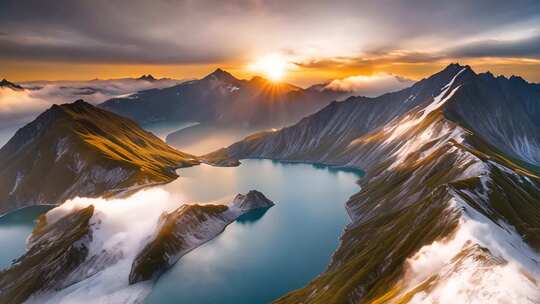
<point x="460" y="183"/>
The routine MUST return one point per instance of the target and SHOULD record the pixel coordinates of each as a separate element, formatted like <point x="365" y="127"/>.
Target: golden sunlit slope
<point x="78" y="149"/>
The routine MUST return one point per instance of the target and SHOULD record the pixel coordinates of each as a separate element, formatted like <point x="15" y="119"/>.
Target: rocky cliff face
<point x="78" y="149"/>
<point x="451" y="194"/>
<point x="55" y="250"/>
<point x="185" y="229"/>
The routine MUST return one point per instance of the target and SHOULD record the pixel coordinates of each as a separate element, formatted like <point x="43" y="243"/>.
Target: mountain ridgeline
<point x="10" y="85"/>
<point x="80" y="150"/>
<point x="505" y="112"/>
<point x="222" y="99"/>
<point x="451" y="194"/>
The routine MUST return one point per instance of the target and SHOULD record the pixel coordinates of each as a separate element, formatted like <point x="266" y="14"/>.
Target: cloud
<point x="370" y="86"/>
<point x="120" y="228"/>
<point x="172" y="32"/>
<point x="528" y="47"/>
<point x="18" y="107"/>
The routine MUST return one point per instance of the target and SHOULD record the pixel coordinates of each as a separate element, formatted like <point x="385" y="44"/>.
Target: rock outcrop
<point x="185" y="229"/>
<point x="10" y="85"/>
<point x="54" y="251"/>
<point x="251" y="201"/>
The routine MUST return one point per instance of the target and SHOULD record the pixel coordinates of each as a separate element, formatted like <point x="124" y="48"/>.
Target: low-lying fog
<point x="19" y="107"/>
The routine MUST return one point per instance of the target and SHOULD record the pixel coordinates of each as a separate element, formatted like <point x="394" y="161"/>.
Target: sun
<point x="272" y="66"/>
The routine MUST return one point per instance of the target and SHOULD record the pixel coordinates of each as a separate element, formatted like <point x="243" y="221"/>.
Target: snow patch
<point x="62" y="147"/>
<point x="484" y="262"/>
<point x="18" y="180"/>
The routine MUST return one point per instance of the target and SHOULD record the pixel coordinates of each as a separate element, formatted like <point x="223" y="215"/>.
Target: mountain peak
<point x="258" y="80"/>
<point x="148" y="77"/>
<point x="517" y="79"/>
<point x="77" y="105"/>
<point x="456" y="67"/>
<point x="11" y="85"/>
<point x="77" y="139"/>
<point x="221" y="75"/>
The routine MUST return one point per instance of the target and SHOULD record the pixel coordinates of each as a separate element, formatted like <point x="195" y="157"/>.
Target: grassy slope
<point x="120" y="139"/>
<point x="96" y="143"/>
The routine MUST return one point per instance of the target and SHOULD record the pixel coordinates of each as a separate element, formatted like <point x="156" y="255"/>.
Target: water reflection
<point x="15" y="227"/>
<point x="252" y="216"/>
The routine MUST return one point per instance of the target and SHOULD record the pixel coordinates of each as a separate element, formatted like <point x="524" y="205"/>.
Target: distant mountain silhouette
<point x="6" y="84"/>
<point x="148" y="77"/>
<point x="221" y="98"/>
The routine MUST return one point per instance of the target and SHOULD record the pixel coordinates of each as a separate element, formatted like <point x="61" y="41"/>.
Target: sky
<point x="315" y="41"/>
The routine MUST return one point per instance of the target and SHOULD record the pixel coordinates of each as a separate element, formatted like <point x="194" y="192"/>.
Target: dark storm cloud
<point x="212" y="31"/>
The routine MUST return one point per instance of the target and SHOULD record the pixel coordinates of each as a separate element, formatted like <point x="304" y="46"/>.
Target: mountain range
<point x="452" y="180"/>
<point x="20" y="103"/>
<point x="220" y="98"/>
<point x="451" y="191"/>
<point x="7" y="84"/>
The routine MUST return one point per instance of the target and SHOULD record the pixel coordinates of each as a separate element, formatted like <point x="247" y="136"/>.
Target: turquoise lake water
<point x="15" y="227"/>
<point x="265" y="254"/>
<point x="258" y="258"/>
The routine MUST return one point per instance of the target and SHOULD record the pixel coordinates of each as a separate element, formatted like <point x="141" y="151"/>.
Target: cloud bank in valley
<point x="21" y="106"/>
<point x="120" y="228"/>
<point x="370" y="86"/>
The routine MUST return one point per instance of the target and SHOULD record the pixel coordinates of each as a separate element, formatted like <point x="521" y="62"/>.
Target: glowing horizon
<point x="306" y="42"/>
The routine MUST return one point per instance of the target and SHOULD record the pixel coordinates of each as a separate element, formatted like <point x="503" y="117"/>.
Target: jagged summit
<point x="222" y="75"/>
<point x="457" y="92"/>
<point x="452" y="69"/>
<point x="7" y="84"/>
<point x="148" y="77"/>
